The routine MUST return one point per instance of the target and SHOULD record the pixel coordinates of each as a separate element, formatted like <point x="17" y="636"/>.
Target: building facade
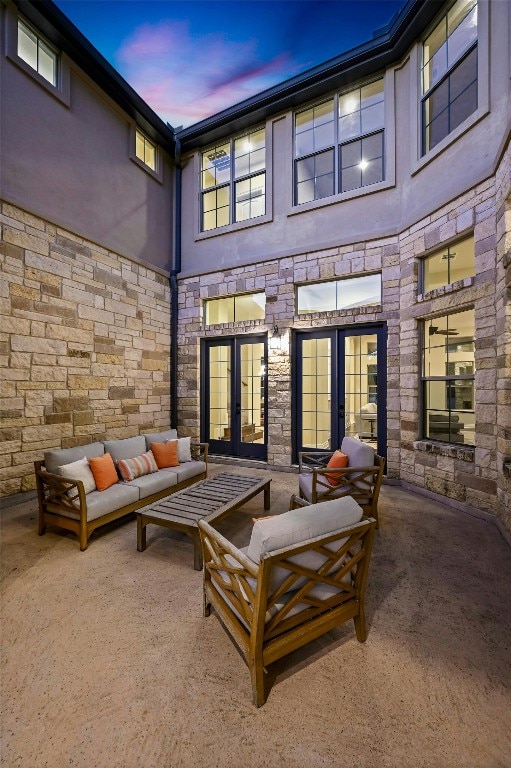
<point x="339" y="262"/>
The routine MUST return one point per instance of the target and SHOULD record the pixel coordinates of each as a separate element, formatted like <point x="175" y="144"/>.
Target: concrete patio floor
<point x="108" y="662"/>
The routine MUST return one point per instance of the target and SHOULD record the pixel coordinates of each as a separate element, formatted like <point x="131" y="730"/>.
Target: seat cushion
<point x="127" y="448"/>
<point x="153" y="483"/>
<point x="62" y="456"/>
<point x="159" y="437"/>
<point x="298" y="525"/>
<point x="101" y="503"/>
<point x="190" y="469"/>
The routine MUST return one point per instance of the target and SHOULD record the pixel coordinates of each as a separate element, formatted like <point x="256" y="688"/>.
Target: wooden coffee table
<point x="210" y="499"/>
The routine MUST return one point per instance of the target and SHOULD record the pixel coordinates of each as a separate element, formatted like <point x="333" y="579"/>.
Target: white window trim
<point x="389" y="153"/>
<point x="156" y="174"/>
<point x="483" y="92"/>
<point x="61" y="91"/>
<point x="237" y="225"/>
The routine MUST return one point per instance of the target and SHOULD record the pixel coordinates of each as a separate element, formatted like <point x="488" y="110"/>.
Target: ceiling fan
<point x="435" y="329"/>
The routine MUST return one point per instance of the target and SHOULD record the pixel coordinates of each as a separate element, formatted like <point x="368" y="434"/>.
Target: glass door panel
<point x="360" y="386"/>
<point x="316" y="389"/>
<point x="253" y="375"/>
<point x="219" y="378"/>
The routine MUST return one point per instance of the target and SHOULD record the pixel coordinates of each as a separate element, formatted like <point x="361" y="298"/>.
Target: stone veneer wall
<point x="84" y="340"/>
<point x="474" y="477"/>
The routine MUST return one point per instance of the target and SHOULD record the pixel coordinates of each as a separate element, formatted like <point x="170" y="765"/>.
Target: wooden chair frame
<point x="362" y="483"/>
<point x="245" y="600"/>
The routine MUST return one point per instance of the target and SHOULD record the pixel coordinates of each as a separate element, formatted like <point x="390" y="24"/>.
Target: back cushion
<point x="298" y="525"/>
<point x="359" y="454"/>
<point x="55" y="459"/>
<point x="125" y="449"/>
<point x="160" y="437"/>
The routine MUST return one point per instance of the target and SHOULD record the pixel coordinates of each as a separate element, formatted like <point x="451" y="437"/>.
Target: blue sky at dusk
<point x="191" y="59"/>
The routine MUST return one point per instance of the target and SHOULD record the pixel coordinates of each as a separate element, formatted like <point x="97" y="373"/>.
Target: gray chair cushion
<point x="360" y="454"/>
<point x="125" y="449"/>
<point x="101" y="503"/>
<point x="157" y="481"/>
<point x="57" y="458"/>
<point x="160" y="437"/>
<point x="298" y="525"/>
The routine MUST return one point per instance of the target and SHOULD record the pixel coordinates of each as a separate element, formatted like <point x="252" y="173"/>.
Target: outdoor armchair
<point x="303" y="573"/>
<point x="361" y="479"/>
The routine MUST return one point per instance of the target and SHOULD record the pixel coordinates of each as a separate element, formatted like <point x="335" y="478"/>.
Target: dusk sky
<point x="193" y="58"/>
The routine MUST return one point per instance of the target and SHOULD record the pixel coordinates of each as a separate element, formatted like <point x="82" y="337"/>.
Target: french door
<point x="234" y="396"/>
<point x="340" y="383"/>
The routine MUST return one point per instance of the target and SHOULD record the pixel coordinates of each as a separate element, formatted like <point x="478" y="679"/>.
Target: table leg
<point x="141" y="533"/>
<point x="267" y="502"/>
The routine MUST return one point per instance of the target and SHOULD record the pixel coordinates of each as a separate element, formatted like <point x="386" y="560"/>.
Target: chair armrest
<point x="296" y="502"/>
<point x="309" y="460"/>
<point x="54" y="489"/>
<point x="210" y="536"/>
<point x="199" y="451"/>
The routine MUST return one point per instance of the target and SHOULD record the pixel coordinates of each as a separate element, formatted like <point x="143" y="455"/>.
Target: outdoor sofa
<point x="64" y="502"/>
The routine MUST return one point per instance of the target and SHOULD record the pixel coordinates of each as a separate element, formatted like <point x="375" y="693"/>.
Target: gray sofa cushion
<point x="125" y="449"/>
<point x="153" y="483"/>
<point x="189" y="469"/>
<point x="57" y="458"/>
<point x="160" y="437"/>
<point x="101" y="503"/>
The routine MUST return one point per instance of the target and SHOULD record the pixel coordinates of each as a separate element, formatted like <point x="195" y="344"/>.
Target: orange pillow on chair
<point x="103" y="469"/>
<point x="165" y="454"/>
<point x="338" y="460"/>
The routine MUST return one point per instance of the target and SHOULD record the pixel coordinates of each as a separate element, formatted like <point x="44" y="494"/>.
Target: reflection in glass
<point x="252" y="393"/>
<point x="339" y="294"/>
<point x="219" y="382"/>
<point x="316" y="401"/>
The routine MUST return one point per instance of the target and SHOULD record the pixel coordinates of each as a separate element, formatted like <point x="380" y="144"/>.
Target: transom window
<point x="448" y="368"/>
<point x="448" y="265"/>
<point x="233" y="181"/>
<point x="339" y="294"/>
<point x="37" y="53"/>
<point x="344" y="133"/>
<point x="145" y="150"/>
<point x="235" y="309"/>
<point x="449" y="73"/>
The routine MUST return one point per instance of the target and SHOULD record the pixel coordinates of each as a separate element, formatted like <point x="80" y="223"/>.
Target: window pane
<point x="249" y="153"/>
<point x="319" y="297"/>
<point x="359" y="291"/>
<point x="305" y="191"/>
<point x="351" y="178"/>
<point x="448" y="265"/>
<point x="462" y="262"/>
<point x="373" y="172"/>
<point x="462" y="37"/>
<point x="47" y="66"/>
<point x="324" y="186"/>
<point x="371" y="94"/>
<point x="139" y="146"/>
<point x="305" y="169"/>
<point x="304" y="144"/>
<point x="351" y="154"/>
<point x="219" y="311"/>
<point x="349" y="102"/>
<point x="150" y="155"/>
<point x="372" y="146"/>
<point x="435" y="271"/>
<point x="459" y="11"/>
<point x="463" y="106"/>
<point x="324" y="136"/>
<point x="222" y="217"/>
<point x="27" y="45"/>
<point x="218" y="161"/>
<point x="463" y="75"/>
<point x="324" y="113"/>
<point x="249" y="307"/>
<point x="372" y="118"/>
<point x="349" y="126"/>
<point x="209" y="220"/>
<point x="435" y="68"/>
<point x="304" y="121"/>
<point x="223" y="195"/>
<point x="437" y="130"/>
<point x="250" y="197"/>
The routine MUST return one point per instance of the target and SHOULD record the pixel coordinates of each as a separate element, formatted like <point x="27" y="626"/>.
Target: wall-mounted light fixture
<point x="275" y="338"/>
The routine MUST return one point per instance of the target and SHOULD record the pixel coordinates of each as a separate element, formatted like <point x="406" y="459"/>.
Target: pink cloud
<point x="185" y="78"/>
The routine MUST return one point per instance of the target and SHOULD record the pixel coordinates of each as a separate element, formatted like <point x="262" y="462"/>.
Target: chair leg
<point x="360" y="625"/>
<point x="42" y="525"/>
<point x="83" y="539"/>
<point x="206" y="606"/>
<point x="258" y="681"/>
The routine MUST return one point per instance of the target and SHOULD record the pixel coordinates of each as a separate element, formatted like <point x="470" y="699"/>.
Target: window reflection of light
<point x="350" y="105"/>
<point x="363" y="164"/>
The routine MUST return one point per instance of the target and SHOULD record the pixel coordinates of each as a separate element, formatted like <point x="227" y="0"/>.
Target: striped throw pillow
<point x="130" y="469"/>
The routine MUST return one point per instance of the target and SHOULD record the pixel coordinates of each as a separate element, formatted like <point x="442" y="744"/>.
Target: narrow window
<point x="235" y="309"/>
<point x="38" y="54"/>
<point x="449" y="73"/>
<point x="145" y="150"/>
<point x="448" y="367"/>
<point x="444" y="267"/>
<point x="233" y="181"/>
<point x="353" y="143"/>
<point x="362" y="291"/>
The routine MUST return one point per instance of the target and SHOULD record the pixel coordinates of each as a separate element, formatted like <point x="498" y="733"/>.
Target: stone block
<point x="88" y="382"/>
<point x="40" y="345"/>
<point x="46" y="432"/>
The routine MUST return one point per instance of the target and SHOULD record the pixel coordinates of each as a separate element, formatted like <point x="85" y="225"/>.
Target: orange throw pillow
<point x="165" y="454"/>
<point x="337" y="461"/>
<point x="103" y="469"/>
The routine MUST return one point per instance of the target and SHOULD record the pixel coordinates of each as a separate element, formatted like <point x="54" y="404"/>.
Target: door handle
<point x="341" y="412"/>
<point x="238" y="409"/>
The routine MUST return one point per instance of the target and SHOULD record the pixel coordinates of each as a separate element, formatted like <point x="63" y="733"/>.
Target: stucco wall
<point x="84" y="345"/>
<point x="70" y="164"/>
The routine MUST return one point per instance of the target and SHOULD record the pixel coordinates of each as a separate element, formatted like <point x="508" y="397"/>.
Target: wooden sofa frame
<point x="243" y="614"/>
<point x="54" y="501"/>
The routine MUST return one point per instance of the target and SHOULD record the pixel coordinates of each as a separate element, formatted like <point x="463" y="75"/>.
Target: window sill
<point x="341" y="198"/>
<point x="240" y="325"/>
<point x="339" y="313"/>
<point x="446" y="289"/>
<point x="238" y="225"/>
<point x="463" y="453"/>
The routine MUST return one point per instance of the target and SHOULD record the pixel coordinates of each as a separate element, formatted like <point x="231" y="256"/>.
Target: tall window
<point x="448" y="367"/>
<point x="448" y="265"/>
<point x="449" y="73"/>
<point x="233" y="181"/>
<point x="339" y="143"/>
<point x="145" y="150"/>
<point x="37" y="53"/>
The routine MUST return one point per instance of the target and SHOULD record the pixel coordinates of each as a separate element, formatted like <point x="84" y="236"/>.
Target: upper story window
<point x="453" y="263"/>
<point x="37" y="53"/>
<point x="346" y="293"/>
<point x="233" y="181"/>
<point x="339" y="143"/>
<point x="448" y="367"/>
<point x="145" y="150"/>
<point x="235" y="309"/>
<point x="449" y="73"/>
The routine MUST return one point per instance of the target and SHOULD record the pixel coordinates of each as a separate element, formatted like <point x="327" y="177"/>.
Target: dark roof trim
<point x="360" y="62"/>
<point x="60" y="31"/>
